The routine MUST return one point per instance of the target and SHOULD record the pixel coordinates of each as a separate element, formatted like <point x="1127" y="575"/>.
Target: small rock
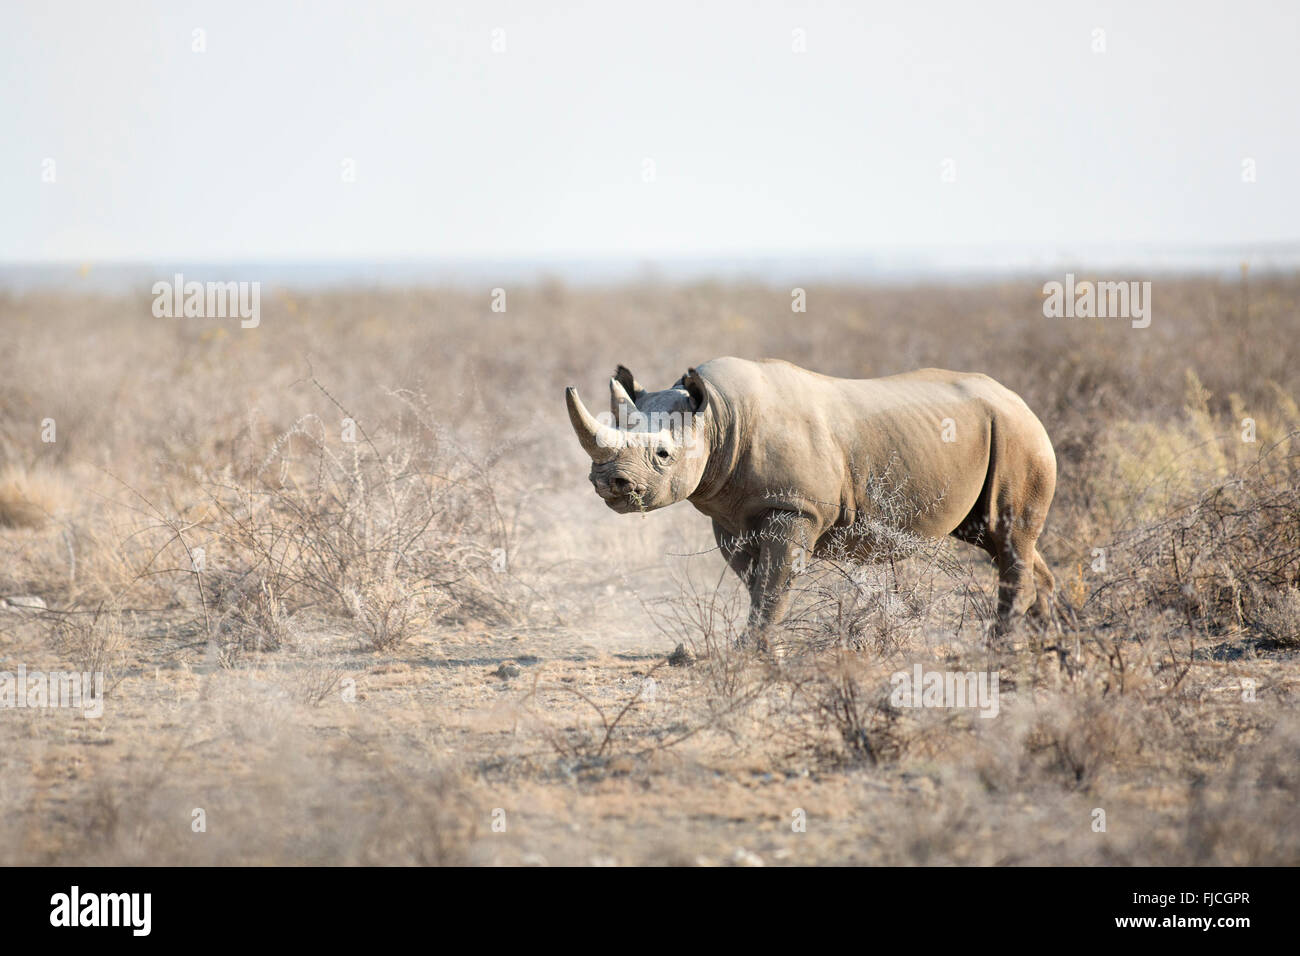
<point x="681" y="657"/>
<point x="507" y="670"/>
<point x="23" y="602"/>
<point x="743" y="857"/>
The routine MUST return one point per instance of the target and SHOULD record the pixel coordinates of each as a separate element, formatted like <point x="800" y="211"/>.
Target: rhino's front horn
<point x="599" y="441"/>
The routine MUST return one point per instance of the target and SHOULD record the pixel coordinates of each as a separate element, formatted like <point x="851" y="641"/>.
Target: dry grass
<point x="433" y="644"/>
<point x="31" y="499"/>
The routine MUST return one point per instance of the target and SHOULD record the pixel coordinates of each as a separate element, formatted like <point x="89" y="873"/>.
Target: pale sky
<point x="237" y="153"/>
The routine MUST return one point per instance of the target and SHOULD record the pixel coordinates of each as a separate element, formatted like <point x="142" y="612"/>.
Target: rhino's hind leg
<point x="1017" y="590"/>
<point x="1009" y="517"/>
<point x="1009" y="542"/>
<point x="1041" y="609"/>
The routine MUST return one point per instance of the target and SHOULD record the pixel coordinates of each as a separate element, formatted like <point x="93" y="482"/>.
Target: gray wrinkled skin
<point x="784" y="461"/>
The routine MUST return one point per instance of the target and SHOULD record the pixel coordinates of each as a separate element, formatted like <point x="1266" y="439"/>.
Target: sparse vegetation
<point x="304" y="553"/>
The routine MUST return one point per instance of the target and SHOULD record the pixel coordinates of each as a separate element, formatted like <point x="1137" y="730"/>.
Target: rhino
<point x="789" y="463"/>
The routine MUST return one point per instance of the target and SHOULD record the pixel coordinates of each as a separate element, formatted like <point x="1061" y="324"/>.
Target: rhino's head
<point x="652" y="447"/>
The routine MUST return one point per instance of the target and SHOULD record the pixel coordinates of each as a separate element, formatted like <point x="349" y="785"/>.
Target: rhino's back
<point x="928" y="437"/>
<point x="778" y="390"/>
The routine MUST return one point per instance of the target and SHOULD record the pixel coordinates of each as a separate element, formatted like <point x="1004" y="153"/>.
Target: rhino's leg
<point x="1016" y="584"/>
<point x="740" y="557"/>
<point x="1009" y="516"/>
<point x="1025" y="584"/>
<point x="1042" y="606"/>
<point x="784" y="538"/>
<point x="1017" y="590"/>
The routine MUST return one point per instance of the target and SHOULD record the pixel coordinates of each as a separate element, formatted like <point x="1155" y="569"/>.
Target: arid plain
<point x="354" y="600"/>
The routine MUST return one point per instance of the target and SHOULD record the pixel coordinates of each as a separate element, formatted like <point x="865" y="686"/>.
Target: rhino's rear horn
<point x="621" y="405"/>
<point x="599" y="441"/>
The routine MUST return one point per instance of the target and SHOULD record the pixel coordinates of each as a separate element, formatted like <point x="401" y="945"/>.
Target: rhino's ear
<point x="697" y="388"/>
<point x="629" y="382"/>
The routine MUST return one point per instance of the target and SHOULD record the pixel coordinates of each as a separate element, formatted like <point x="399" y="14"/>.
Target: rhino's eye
<point x="663" y="454"/>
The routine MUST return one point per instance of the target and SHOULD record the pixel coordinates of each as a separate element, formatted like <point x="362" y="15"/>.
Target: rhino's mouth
<point x="631" y="503"/>
<point x="625" y="504"/>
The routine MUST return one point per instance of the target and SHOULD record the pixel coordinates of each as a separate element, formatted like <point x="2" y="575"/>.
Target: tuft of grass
<point x="31" y="499"/>
<point x="96" y="644"/>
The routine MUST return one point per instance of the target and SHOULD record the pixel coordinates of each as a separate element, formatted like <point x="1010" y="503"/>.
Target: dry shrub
<point x="394" y="530"/>
<point x="387" y="610"/>
<point x="855" y="624"/>
<point x="710" y="623"/>
<point x="317" y="679"/>
<point x="97" y="643"/>
<point x="1221" y="562"/>
<point x="253" y="618"/>
<point x="822" y="689"/>
<point x="913" y="588"/>
<point x="1277" y="617"/>
<point x="840" y="707"/>
<point x="1078" y="735"/>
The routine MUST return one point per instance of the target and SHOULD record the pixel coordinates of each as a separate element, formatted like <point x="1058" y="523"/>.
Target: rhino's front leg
<point x="740" y="553"/>
<point x="784" y="540"/>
